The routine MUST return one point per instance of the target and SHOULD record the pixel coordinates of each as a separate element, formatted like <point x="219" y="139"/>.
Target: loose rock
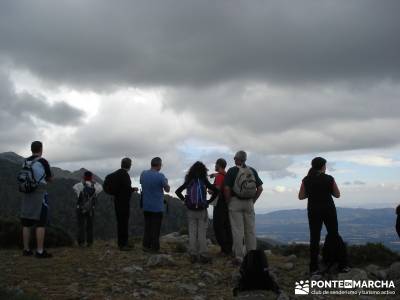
<point x="160" y="260"/>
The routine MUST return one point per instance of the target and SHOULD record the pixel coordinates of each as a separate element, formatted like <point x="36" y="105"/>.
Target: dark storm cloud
<point x="99" y="45"/>
<point x="283" y="120"/>
<point x="24" y="106"/>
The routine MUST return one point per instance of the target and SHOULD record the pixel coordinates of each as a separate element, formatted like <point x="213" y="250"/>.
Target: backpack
<point x="254" y="274"/>
<point x="245" y="186"/>
<point x="334" y="250"/>
<point x="26" y="179"/>
<point x="110" y="184"/>
<point x="87" y="198"/>
<point x="196" y="197"/>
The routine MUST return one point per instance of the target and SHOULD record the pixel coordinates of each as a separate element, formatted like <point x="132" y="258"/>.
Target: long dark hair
<point x="197" y="171"/>
<point x="316" y="166"/>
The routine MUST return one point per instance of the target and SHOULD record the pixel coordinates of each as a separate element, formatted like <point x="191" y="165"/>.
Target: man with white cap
<point x="243" y="187"/>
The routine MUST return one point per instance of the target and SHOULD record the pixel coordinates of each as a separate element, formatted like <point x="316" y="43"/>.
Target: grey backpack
<point x="26" y="179"/>
<point x="245" y="186"/>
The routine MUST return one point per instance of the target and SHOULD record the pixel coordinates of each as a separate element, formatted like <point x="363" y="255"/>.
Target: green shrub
<point x="11" y="235"/>
<point x="16" y="294"/>
<point x="371" y="253"/>
<point x="300" y="250"/>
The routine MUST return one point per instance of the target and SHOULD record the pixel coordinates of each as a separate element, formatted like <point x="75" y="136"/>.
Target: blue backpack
<point x="196" y="195"/>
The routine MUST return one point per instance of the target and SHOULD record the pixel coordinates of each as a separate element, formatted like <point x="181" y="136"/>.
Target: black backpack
<point x="110" y="184"/>
<point x="334" y="250"/>
<point x="254" y="274"/>
<point x="87" y="198"/>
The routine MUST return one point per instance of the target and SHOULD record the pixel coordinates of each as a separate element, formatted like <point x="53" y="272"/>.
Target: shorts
<point x="42" y="222"/>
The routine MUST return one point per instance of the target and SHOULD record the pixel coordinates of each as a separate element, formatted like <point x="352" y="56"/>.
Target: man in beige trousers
<point x="243" y="187"/>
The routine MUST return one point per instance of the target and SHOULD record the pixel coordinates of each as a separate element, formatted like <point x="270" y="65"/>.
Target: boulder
<point x="174" y="238"/>
<point x="187" y="288"/>
<point x="291" y="258"/>
<point x="393" y="272"/>
<point x="132" y="269"/>
<point x="375" y="272"/>
<point x="160" y="260"/>
<point x="256" y="295"/>
<point x="354" y="274"/>
<point x="288" y="266"/>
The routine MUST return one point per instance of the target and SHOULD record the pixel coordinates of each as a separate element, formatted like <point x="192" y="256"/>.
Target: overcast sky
<point x="198" y="80"/>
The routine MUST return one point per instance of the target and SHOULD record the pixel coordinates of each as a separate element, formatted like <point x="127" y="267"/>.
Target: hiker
<point x="243" y="187"/>
<point x="154" y="183"/>
<point x="119" y="185"/>
<point x="196" y="185"/>
<point x="319" y="188"/>
<point x="35" y="203"/>
<point x="221" y="224"/>
<point x="86" y="191"/>
<point x="398" y="220"/>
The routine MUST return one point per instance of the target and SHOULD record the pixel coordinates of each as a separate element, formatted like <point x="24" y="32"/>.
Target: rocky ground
<point x="104" y="272"/>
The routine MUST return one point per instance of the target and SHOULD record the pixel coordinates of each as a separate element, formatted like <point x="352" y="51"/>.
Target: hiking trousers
<point x="152" y="228"/>
<point x="197" y="223"/>
<point x="85" y="227"/>
<point x="242" y="218"/>
<point x="222" y="226"/>
<point x="316" y="217"/>
<point x="122" y="208"/>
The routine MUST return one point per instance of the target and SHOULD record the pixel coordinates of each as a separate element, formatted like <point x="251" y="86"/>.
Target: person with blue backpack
<point x="196" y="185"/>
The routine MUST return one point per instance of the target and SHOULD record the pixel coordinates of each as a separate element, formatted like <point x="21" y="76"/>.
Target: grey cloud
<point x="25" y="106"/>
<point x="355" y="182"/>
<point x="98" y="45"/>
<point x="359" y="182"/>
<point x="18" y="113"/>
<point x="275" y="119"/>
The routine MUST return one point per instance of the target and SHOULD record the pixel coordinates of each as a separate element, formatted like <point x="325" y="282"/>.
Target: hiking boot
<point x="44" y="254"/>
<point x="27" y="252"/>
<point x="193" y="259"/>
<point x="205" y="259"/>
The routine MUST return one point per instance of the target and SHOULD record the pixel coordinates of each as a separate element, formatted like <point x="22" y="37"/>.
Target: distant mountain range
<point x="356" y="226"/>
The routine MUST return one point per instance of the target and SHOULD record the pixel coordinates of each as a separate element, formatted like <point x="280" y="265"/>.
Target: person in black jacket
<point x="398" y="220"/>
<point x="319" y="188"/>
<point x="196" y="183"/>
<point x="122" y="202"/>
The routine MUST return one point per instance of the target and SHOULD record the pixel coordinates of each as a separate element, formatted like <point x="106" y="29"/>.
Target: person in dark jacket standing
<point x="122" y="202"/>
<point x="221" y="224"/>
<point x="319" y="188"/>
